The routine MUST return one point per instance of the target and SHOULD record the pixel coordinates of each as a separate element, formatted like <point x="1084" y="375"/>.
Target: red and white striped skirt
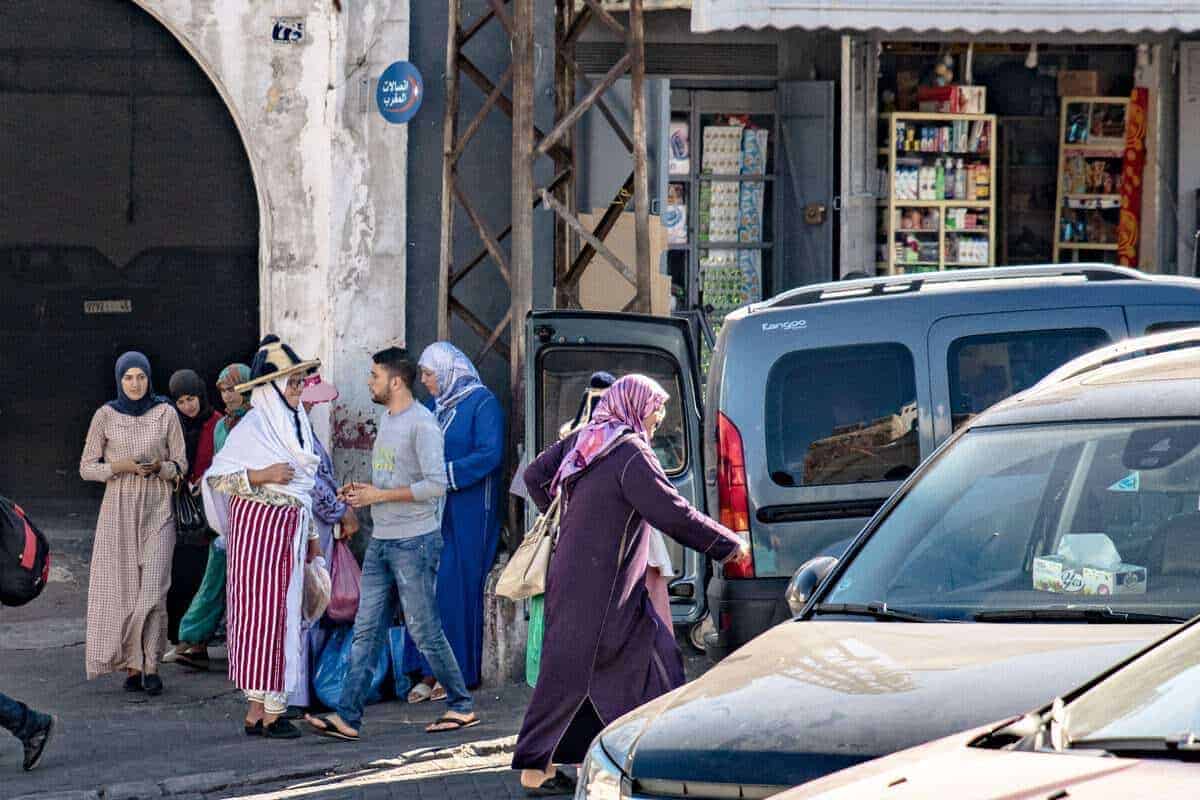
<point x="260" y="547"/>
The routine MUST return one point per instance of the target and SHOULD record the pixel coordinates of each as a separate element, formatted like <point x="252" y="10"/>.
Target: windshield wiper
<point x="1095" y="614"/>
<point x="879" y="611"/>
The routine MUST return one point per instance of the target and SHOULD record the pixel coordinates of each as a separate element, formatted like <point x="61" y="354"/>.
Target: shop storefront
<point x="1008" y="133"/>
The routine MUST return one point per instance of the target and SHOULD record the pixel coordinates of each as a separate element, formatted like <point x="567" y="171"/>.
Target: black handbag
<point x="186" y="508"/>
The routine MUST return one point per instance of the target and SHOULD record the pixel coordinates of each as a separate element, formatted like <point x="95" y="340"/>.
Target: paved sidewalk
<point x="479" y="770"/>
<point x="189" y="740"/>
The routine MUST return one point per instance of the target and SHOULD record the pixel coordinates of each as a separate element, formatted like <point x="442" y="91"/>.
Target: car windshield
<point x="1044" y="519"/>
<point x="1157" y="697"/>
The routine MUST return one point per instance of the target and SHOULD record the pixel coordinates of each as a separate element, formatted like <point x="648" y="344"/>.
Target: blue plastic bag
<point x="334" y="663"/>
<point x="400" y="680"/>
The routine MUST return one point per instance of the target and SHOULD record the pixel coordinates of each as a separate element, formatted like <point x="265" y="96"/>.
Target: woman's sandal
<point x="327" y="728"/>
<point x="560" y="785"/>
<point x="420" y="693"/>
<point x="455" y="723"/>
<point x="253" y="730"/>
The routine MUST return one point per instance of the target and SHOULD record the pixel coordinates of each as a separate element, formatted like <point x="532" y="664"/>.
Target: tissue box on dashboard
<point x="1056" y="574"/>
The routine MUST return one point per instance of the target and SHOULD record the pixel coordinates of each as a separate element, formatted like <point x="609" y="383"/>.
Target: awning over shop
<point x="648" y="5"/>
<point x="978" y="16"/>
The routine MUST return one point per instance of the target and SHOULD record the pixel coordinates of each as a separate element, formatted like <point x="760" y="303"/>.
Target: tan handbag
<point x="524" y="575"/>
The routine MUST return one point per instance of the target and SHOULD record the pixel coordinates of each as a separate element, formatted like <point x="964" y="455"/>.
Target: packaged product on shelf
<point x="674" y="219"/>
<point x="722" y="154"/>
<point x="679" y="162"/>
<point x="754" y="152"/>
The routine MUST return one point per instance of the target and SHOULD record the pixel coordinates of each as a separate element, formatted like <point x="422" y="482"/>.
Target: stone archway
<point x="130" y="220"/>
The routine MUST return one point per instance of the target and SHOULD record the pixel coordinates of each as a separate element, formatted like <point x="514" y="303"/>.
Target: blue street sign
<point x="400" y="92"/>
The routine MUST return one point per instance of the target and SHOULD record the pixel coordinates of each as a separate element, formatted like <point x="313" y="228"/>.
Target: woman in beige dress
<point x="135" y="447"/>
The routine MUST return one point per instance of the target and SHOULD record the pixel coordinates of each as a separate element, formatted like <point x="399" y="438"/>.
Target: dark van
<point x="822" y="400"/>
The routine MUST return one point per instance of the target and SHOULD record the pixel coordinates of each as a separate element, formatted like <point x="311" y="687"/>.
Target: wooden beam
<point x="476" y="324"/>
<point x="641" y="182"/>
<point x="612" y="258"/>
<point x="608" y="19"/>
<point x="564" y="98"/>
<point x="493" y="246"/>
<point x="481" y="115"/>
<point x="573" y="116"/>
<point x="607" y="222"/>
<point x="502" y="14"/>
<point x="449" y="133"/>
<point x="482" y="255"/>
<point x="495" y="337"/>
<point x="502" y="102"/>
<point x="474" y="28"/>
<point x="578" y="23"/>
<point x="522" y="236"/>
<point x="573" y="67"/>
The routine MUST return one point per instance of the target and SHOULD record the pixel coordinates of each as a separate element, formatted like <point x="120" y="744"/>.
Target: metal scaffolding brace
<point x="529" y="144"/>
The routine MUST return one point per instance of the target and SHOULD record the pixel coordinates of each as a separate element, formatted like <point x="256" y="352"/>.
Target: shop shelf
<point x="1087" y="246"/>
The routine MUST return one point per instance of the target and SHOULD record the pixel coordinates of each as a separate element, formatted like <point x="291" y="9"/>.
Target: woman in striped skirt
<point x="258" y="494"/>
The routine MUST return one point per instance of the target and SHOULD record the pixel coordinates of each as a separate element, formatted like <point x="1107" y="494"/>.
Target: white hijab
<point x="265" y="436"/>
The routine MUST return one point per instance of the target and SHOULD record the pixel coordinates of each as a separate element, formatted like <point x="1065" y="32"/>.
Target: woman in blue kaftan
<point x="473" y="423"/>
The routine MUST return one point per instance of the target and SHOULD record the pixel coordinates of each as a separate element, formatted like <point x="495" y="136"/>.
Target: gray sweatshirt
<point x="408" y="452"/>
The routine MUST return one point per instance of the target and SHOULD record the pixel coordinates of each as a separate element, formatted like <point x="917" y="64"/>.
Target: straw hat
<point x="274" y="360"/>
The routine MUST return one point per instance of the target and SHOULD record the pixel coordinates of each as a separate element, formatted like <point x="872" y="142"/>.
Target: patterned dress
<point x="135" y="538"/>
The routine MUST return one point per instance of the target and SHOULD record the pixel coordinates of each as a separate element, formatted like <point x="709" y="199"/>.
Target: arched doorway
<point x="128" y="220"/>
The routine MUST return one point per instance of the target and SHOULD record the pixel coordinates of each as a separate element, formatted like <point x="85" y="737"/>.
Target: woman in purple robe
<point x="606" y="651"/>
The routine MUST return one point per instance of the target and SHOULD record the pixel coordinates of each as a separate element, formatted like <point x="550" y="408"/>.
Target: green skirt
<point x="208" y="606"/>
<point x="533" y="645"/>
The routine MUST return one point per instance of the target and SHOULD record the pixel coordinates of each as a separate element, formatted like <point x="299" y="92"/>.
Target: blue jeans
<point x="412" y="565"/>
<point x="19" y="719"/>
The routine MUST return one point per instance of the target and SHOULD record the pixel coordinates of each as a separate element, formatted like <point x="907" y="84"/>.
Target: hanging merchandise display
<point x="1130" y="226"/>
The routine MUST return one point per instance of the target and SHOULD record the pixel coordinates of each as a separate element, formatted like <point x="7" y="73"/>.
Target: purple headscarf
<point x="622" y="410"/>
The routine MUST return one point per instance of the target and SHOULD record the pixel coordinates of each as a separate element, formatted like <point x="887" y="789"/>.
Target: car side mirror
<point x="806" y="580"/>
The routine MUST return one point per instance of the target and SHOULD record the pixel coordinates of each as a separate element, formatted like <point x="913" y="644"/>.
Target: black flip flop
<point x="327" y="728"/>
<point x="253" y="730"/>
<point x="560" y="785"/>
<point x="459" y="724"/>
<point x="200" y="664"/>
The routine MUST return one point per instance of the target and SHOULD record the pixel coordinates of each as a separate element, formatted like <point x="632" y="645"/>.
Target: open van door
<point x="566" y="347"/>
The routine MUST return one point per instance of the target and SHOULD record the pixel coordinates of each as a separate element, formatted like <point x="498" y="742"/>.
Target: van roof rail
<point x="1122" y="351"/>
<point x="903" y="284"/>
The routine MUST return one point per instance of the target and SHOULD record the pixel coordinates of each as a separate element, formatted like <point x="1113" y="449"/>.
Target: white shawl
<point x="266" y="436"/>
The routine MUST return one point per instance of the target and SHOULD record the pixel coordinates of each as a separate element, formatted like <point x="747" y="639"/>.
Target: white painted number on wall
<point x="287" y="30"/>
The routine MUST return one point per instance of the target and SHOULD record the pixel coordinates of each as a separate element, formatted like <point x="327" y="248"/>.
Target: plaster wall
<point x="330" y="174"/>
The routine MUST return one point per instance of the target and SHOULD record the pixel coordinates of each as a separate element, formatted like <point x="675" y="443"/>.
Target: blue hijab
<point x="134" y="408"/>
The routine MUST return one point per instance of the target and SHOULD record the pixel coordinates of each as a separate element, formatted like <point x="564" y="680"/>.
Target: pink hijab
<point x="621" y="410"/>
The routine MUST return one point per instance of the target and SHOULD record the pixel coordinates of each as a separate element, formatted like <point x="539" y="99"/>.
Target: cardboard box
<point x="953" y="99"/>
<point x="1056" y="574"/>
<point x="603" y="288"/>
<point x="1078" y="83"/>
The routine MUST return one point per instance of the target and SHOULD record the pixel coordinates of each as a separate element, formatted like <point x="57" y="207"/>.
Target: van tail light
<point x="732" y="494"/>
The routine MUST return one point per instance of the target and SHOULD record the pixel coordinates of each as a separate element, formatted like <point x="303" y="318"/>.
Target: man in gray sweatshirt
<point x="408" y="482"/>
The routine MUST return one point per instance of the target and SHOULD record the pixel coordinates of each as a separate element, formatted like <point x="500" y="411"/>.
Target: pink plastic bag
<point x="343" y="600"/>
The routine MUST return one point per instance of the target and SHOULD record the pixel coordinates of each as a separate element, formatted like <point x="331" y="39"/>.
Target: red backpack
<point x="24" y="556"/>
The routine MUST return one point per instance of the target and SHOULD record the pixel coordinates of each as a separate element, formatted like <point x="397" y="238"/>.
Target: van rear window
<point x="565" y="373"/>
<point x="986" y="369"/>
<point x="842" y="415"/>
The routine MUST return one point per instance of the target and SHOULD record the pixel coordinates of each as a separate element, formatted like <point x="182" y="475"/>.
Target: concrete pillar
<point x="330" y="175"/>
